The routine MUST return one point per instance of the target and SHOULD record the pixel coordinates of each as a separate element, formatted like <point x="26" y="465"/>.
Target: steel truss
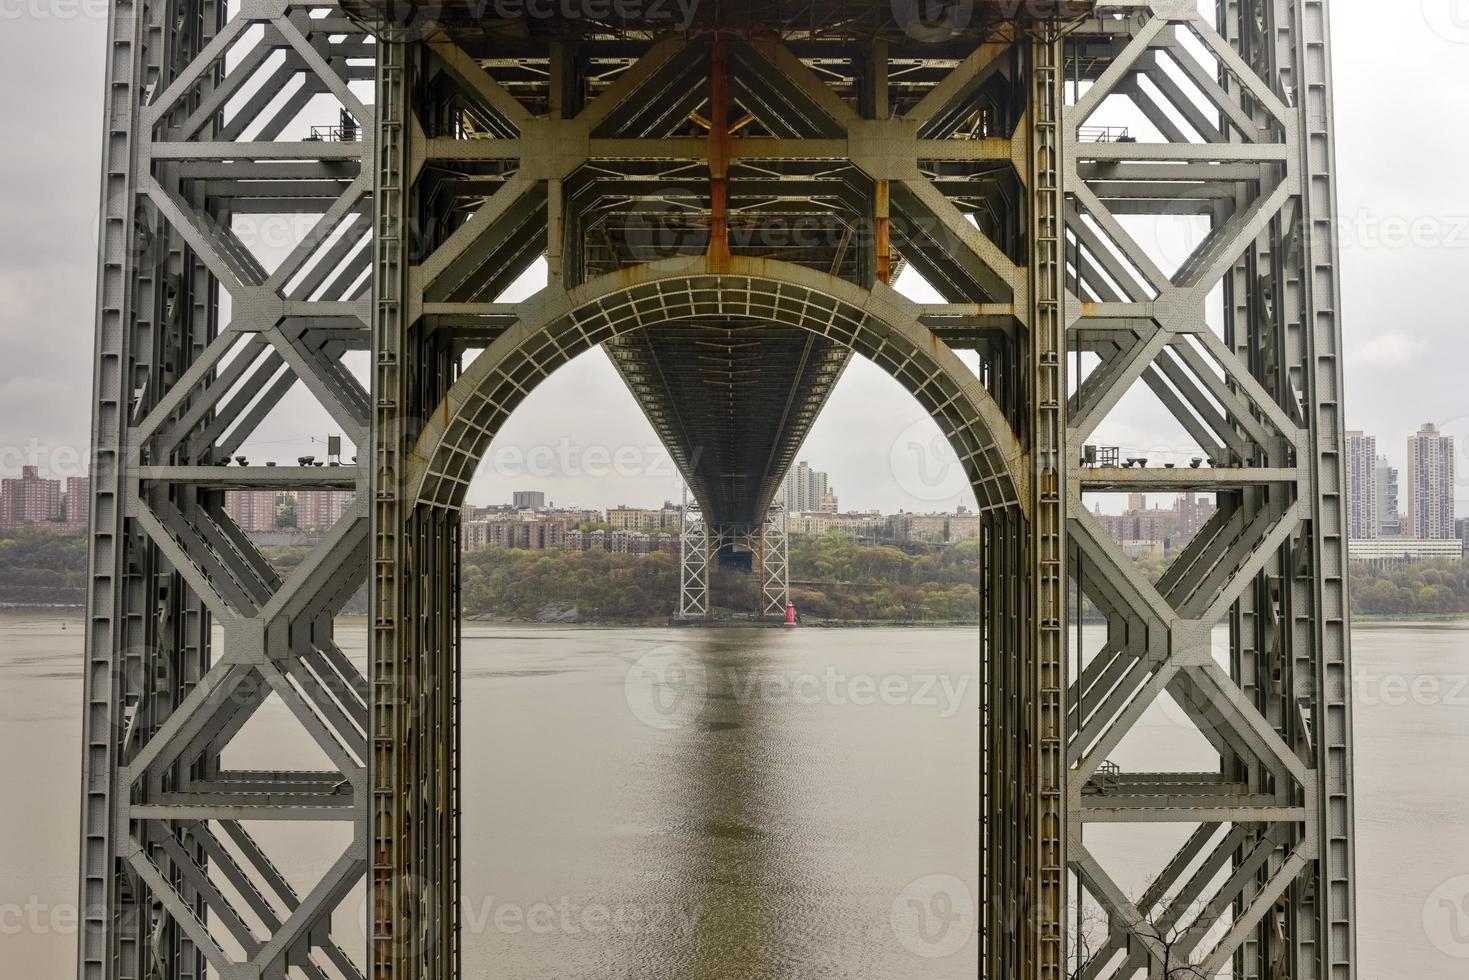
<point x="770" y="558"/>
<point x="693" y="563"/>
<point x="1262" y="884"/>
<point x="771" y="546"/>
<point x="478" y="166"/>
<point x="197" y="341"/>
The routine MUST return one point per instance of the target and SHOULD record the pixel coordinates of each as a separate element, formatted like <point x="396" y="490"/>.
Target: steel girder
<point x="958" y="158"/>
<point x="190" y="630"/>
<point x="1240" y="118"/>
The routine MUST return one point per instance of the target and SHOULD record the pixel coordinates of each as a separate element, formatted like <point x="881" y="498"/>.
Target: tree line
<point x="1424" y="588"/>
<point x="43" y="568"/>
<point x="833" y="578"/>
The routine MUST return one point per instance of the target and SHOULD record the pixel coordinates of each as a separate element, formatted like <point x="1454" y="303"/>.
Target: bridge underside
<point x="733" y="401"/>
<point x="723" y="209"/>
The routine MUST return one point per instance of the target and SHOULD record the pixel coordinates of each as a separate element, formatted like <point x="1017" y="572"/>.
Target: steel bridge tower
<point x="421" y="157"/>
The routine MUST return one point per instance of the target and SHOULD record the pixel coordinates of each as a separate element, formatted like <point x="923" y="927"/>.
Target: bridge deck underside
<point x="733" y="401"/>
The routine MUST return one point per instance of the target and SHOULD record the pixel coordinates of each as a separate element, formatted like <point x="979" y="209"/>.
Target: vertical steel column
<point x="1008" y="924"/>
<point x="415" y="596"/>
<point x="1259" y="640"/>
<point x="147" y="634"/>
<point x="390" y="898"/>
<point x="1044" y="955"/>
<point x="1330" y="682"/>
<point x="110" y="917"/>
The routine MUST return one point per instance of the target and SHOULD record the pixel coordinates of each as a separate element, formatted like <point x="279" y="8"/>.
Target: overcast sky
<point x="1402" y="141"/>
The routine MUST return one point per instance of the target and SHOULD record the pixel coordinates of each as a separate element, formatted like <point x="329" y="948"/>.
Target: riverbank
<point x="1410" y="618"/>
<point x="834" y="581"/>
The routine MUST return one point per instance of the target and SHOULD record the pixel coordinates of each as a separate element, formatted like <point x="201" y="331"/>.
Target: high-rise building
<point x="319" y="510"/>
<point x="1193" y="514"/>
<point x="803" y="489"/>
<point x="252" y="510"/>
<point x="667" y="518"/>
<point x="527" y="533"/>
<point x="29" y="501"/>
<point x="1163" y="530"/>
<point x="1361" y="465"/>
<point x="1389" y="518"/>
<point x="78" y="500"/>
<point x="528" y="499"/>
<point x="1430" y="484"/>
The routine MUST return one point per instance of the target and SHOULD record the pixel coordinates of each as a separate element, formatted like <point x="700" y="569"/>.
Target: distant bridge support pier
<point x="772" y="562"/>
<point x="767" y="547"/>
<point x="693" y="563"/>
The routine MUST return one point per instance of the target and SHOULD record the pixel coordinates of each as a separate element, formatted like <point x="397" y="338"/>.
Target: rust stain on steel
<point x="719" y="139"/>
<point x="881" y="232"/>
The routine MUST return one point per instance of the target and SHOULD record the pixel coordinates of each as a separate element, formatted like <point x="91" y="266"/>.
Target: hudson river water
<point x="739" y="805"/>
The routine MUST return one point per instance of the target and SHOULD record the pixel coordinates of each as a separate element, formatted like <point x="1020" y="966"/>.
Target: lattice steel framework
<point x="773" y="562"/>
<point x="982" y="156"/>
<point x="693" y="563"/>
<point x="190" y="630"/>
<point x="769" y="548"/>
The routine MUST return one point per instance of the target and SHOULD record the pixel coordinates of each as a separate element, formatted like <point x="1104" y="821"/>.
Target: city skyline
<point x="1408" y="513"/>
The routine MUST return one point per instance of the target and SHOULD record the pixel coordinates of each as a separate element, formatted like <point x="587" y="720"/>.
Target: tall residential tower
<point x="1389" y="518"/>
<point x="1361" y="486"/>
<point x="804" y="489"/>
<point x="1430" y="484"/>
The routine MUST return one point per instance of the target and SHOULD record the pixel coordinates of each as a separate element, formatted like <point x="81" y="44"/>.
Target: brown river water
<point x="749" y="804"/>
